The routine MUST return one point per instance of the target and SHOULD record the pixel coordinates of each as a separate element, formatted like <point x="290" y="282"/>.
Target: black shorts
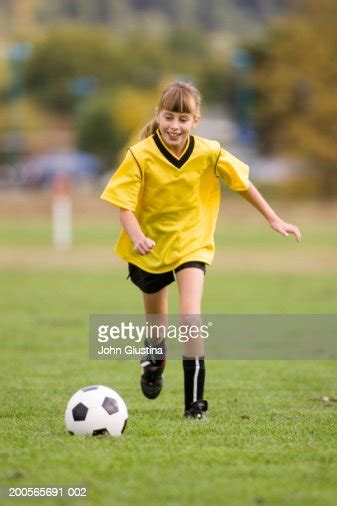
<point x="149" y="282"/>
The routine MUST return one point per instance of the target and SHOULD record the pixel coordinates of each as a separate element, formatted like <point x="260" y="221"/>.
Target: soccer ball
<point x="96" y="410"/>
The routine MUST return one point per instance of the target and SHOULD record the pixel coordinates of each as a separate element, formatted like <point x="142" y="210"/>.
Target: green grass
<point x="265" y="442"/>
<point x="88" y="232"/>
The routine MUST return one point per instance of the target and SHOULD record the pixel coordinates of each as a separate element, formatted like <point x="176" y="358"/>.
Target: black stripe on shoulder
<point x="177" y="162"/>
<point x="135" y="159"/>
<point x="216" y="163"/>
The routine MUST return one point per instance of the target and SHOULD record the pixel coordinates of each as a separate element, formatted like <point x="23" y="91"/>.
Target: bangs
<point x="178" y="100"/>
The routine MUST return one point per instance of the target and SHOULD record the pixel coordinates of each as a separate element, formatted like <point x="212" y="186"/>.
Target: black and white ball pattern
<point x="95" y="410"/>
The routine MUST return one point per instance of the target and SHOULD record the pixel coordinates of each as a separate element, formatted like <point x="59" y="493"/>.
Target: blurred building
<point x="217" y="123"/>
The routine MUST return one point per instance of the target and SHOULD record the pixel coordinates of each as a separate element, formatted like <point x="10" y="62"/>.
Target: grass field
<point x="265" y="441"/>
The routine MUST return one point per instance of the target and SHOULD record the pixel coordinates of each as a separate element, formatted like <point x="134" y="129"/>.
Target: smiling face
<point x="175" y="127"/>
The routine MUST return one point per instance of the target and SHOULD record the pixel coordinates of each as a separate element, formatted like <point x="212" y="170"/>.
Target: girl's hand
<point x="284" y="228"/>
<point x="144" y="245"/>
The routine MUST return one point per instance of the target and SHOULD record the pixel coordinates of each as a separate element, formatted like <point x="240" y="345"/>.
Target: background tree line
<point x="237" y="16"/>
<point x="294" y="79"/>
<point x="109" y="83"/>
<point x="108" y="80"/>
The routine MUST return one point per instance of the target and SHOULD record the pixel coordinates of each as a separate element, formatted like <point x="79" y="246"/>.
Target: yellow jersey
<point x="175" y="200"/>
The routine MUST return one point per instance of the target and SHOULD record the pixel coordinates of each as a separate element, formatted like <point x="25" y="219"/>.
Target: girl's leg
<point x="191" y="283"/>
<point x="156" y="310"/>
<point x="156" y="303"/>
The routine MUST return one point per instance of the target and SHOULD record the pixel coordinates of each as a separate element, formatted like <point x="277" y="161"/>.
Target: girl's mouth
<point x="173" y="136"/>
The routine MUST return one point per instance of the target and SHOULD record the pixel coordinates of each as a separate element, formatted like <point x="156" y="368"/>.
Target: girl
<point x="168" y="192"/>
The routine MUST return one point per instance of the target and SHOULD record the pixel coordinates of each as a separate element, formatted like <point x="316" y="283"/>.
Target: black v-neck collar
<point x="177" y="162"/>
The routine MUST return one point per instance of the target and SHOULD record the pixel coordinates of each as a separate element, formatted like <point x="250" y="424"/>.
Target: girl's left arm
<point x="254" y="197"/>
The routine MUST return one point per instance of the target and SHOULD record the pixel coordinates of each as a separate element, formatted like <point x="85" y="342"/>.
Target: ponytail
<point x="149" y="129"/>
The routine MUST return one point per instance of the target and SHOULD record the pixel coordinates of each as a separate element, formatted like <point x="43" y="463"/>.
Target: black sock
<point x="194" y="379"/>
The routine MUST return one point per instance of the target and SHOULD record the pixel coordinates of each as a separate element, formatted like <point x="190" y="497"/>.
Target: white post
<point x="62" y="212"/>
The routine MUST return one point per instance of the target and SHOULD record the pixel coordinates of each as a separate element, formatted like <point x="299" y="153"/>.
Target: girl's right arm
<point x="143" y="245"/>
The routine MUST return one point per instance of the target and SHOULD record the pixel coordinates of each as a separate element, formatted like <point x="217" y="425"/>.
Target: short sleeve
<point x="124" y="186"/>
<point x="232" y="171"/>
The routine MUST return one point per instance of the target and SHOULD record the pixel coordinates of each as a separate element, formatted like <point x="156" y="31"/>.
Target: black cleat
<point x="151" y="380"/>
<point x="197" y="410"/>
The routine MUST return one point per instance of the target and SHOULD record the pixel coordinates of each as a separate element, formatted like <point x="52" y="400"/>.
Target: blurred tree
<point x="104" y="124"/>
<point x="142" y="104"/>
<point x="68" y="53"/>
<point x="100" y="11"/>
<point x="236" y="16"/>
<point x="188" y="52"/>
<point x="295" y="80"/>
<point x="145" y="60"/>
<point x="188" y="42"/>
<point x="98" y="131"/>
<point x="216" y="82"/>
<point x="73" y="56"/>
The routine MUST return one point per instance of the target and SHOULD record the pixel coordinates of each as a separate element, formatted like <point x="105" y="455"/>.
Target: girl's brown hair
<point x="176" y="97"/>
